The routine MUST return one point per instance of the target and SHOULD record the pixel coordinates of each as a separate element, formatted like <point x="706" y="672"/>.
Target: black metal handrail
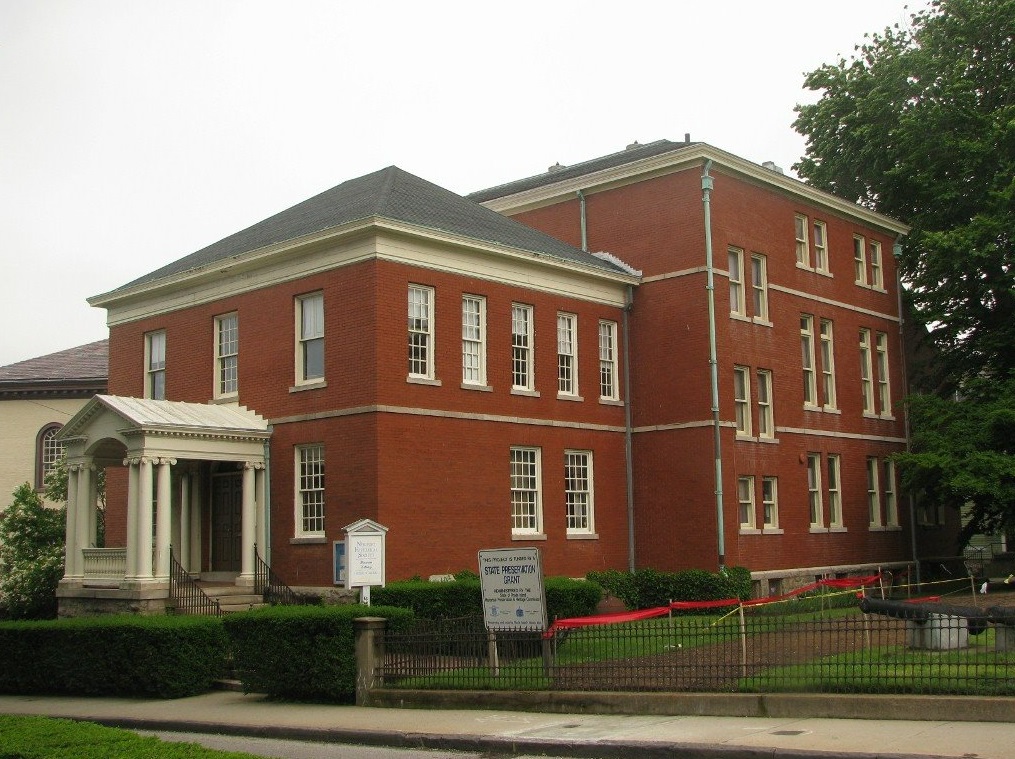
<point x="270" y="586"/>
<point x="186" y="594"/>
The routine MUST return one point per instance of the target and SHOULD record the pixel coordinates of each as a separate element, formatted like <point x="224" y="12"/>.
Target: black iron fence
<point x="744" y="650"/>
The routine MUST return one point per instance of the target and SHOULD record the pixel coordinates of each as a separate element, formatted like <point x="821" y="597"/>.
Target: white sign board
<point x="364" y="560"/>
<point x="512" y="583"/>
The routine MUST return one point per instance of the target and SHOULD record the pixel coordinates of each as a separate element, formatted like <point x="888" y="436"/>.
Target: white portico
<point x="194" y="490"/>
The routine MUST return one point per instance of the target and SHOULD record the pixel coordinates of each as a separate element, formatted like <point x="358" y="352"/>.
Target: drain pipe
<point x="267" y="498"/>
<point x="583" y="219"/>
<point x="897" y="255"/>
<point x="706" y="199"/>
<point x="628" y="457"/>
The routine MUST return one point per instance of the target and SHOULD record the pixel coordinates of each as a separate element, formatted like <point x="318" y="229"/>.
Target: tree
<point x="56" y="491"/>
<point x="31" y="555"/>
<point x="920" y="125"/>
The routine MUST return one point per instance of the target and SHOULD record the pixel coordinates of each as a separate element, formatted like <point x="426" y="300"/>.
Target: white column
<point x="73" y="550"/>
<point x="261" y="513"/>
<point x="144" y="520"/>
<point x="133" y="498"/>
<point x="183" y="549"/>
<point x="163" y="521"/>
<point x="84" y="489"/>
<point x="247" y="536"/>
<point x="93" y="503"/>
<point x="195" y="524"/>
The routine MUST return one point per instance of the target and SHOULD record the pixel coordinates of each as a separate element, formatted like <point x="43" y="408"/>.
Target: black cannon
<point x="919" y="612"/>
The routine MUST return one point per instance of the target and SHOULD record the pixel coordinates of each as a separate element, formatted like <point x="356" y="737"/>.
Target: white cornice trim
<point x="682" y="158"/>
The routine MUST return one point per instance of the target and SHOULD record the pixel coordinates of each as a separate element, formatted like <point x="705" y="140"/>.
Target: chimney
<point x="770" y="165"/>
<point x="556" y="167"/>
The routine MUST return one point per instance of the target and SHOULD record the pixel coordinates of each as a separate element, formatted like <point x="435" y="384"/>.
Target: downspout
<point x="897" y="255"/>
<point x="706" y="199"/>
<point x="267" y="499"/>
<point x="628" y="455"/>
<point x="583" y="220"/>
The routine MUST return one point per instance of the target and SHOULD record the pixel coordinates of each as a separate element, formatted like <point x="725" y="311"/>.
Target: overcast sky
<point x="135" y="132"/>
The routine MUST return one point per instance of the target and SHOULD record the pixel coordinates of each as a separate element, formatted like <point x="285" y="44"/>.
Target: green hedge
<point x="649" y="588"/>
<point x="463" y="597"/>
<point x="305" y="653"/>
<point x="128" y="656"/>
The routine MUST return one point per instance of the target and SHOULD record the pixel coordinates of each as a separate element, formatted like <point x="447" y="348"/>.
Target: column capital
<point x="252" y="465"/>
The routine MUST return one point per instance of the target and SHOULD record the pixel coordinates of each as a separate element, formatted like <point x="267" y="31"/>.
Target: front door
<point x="226" y="522"/>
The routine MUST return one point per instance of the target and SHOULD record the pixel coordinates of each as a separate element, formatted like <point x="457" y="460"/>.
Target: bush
<point x="31" y="556"/>
<point x="649" y="588"/>
<point x="305" y="653"/>
<point x="127" y="656"/>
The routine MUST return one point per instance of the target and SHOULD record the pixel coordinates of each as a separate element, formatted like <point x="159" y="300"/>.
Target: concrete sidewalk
<point x="587" y="735"/>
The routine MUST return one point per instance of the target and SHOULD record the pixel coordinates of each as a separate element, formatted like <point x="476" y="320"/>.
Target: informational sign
<point x="512" y="583"/>
<point x="339" y="549"/>
<point x="366" y="559"/>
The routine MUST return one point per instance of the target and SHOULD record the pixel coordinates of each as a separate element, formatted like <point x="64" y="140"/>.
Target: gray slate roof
<point x="86" y="362"/>
<point x="629" y="155"/>
<point x="391" y="194"/>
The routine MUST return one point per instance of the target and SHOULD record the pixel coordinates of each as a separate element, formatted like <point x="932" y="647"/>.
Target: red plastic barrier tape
<point x="605" y="619"/>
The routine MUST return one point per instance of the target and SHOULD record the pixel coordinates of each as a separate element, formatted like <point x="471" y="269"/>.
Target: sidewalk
<point x="589" y="735"/>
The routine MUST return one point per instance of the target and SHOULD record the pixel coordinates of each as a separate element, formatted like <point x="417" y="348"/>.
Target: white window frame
<point x="155" y="365"/>
<point x="834" y="490"/>
<point x="860" y="260"/>
<point x="770" y="502"/>
<point x="738" y="305"/>
<point x="309" y="337"/>
<point x="766" y="411"/>
<point x="808" y="361"/>
<point x="474" y="340"/>
<point x="866" y="373"/>
<point x="48" y="452"/>
<point x="609" y="389"/>
<point x="526" y="491"/>
<point x="759" y="287"/>
<point x="567" y="354"/>
<point x="873" y="493"/>
<point x="884" y="380"/>
<point x="420" y="324"/>
<point x="891" y="501"/>
<point x="579" y="493"/>
<point x="803" y="253"/>
<point x="745" y="503"/>
<point x="227" y="355"/>
<point x="522" y="355"/>
<point x="742" y="400"/>
<point x="877" y="269"/>
<point x="827" y="338"/>
<point x="816" y="510"/>
<point x="820" y="232"/>
<point x="309" y="486"/>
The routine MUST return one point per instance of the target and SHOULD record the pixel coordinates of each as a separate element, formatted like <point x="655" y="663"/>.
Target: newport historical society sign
<point x="512" y="583"/>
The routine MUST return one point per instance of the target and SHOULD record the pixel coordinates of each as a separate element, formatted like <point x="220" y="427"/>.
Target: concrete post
<point x="369" y="656"/>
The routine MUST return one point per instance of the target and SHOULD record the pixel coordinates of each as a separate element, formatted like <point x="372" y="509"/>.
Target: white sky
<point x="134" y="132"/>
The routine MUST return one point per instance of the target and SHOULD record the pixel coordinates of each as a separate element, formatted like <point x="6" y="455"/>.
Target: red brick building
<point x="473" y="377"/>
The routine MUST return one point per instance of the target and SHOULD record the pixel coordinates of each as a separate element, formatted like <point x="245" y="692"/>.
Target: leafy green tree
<point x="31" y="555"/>
<point x="920" y="124"/>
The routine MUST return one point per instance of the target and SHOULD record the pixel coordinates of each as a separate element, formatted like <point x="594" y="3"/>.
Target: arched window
<point x="48" y="451"/>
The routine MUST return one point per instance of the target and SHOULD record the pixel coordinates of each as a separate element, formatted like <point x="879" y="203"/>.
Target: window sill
<point x="772" y="531"/>
<point x="762" y="322"/>
<point x="583" y="536"/>
<point x="611" y="402"/>
<point x="523" y="392"/>
<point x="749" y="531"/>
<point x="528" y="536"/>
<point x="804" y="267"/>
<point x="225" y="400"/>
<point x="768" y="440"/>
<point x="569" y="397"/>
<point x="746" y="438"/>
<point x="824" y="273"/>
<point x="831" y="410"/>
<point x="737" y="316"/>
<point x="887" y="418"/>
<point x="818" y="530"/>
<point x="868" y="415"/>
<point x="480" y="388"/>
<point x="307" y="540"/>
<point x="812" y="407"/>
<point x="423" y="381"/>
<point x="318" y="385"/>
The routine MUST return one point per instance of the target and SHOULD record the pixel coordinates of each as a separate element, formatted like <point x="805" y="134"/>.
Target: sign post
<point x="513" y="595"/>
<point x="365" y="560"/>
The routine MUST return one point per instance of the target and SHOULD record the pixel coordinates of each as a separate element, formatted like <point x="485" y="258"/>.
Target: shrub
<point x="305" y="653"/>
<point x="31" y="556"/>
<point x="648" y="588"/>
<point x="128" y="656"/>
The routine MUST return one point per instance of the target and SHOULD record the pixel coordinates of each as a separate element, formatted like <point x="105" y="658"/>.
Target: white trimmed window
<point x="766" y="414"/>
<point x="873" y="492"/>
<point x="759" y="286"/>
<point x="521" y="348"/>
<point x="421" y="337"/>
<point x="742" y="399"/>
<point x="770" y="501"/>
<point x="745" y="501"/>
<point x="473" y="340"/>
<point x="48" y="452"/>
<point x="866" y="379"/>
<point x="834" y="490"/>
<point x="860" y="260"/>
<point x="526" y="492"/>
<point x="567" y="354"/>
<point x="877" y="271"/>
<point x="884" y="388"/>
<point x="578" y="492"/>
<point x="814" y="489"/>
<point x="155" y="365"/>
<point x="807" y="359"/>
<point x="820" y="247"/>
<point x="736" y="268"/>
<point x="309" y="338"/>
<point x="827" y="363"/>
<point x="803" y="254"/>
<point x="310" y="491"/>
<point x="608" y="361"/>
<point x="227" y="352"/>
<point x="891" y="504"/>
